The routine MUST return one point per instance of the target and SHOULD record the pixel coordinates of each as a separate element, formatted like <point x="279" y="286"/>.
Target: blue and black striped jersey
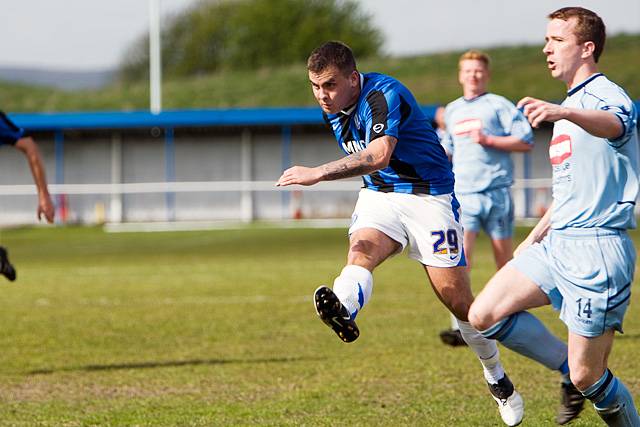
<point x="9" y="132"/>
<point x="418" y="164"/>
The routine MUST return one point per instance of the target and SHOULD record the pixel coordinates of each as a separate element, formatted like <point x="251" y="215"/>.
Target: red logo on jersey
<point x="560" y="149"/>
<point x="465" y="127"/>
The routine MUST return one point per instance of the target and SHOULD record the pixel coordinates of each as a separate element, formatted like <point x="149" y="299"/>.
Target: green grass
<point x="218" y="328"/>
<point x="517" y="72"/>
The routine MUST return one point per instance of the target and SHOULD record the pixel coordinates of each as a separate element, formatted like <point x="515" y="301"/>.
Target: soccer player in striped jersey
<point x="10" y="134"/>
<point x="579" y="257"/>
<point x="482" y="130"/>
<point x="407" y="199"/>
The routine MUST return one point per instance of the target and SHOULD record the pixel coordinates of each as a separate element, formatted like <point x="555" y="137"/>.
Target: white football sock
<point x="454" y="323"/>
<point x="485" y="349"/>
<point x="353" y="287"/>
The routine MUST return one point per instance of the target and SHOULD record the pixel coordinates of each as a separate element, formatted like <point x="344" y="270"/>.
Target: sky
<point x="88" y="35"/>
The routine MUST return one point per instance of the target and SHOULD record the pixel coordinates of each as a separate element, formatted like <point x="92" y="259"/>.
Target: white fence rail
<point x="210" y="186"/>
<point x="237" y="200"/>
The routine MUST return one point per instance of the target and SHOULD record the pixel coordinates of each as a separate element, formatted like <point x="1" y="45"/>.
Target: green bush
<point x="245" y="34"/>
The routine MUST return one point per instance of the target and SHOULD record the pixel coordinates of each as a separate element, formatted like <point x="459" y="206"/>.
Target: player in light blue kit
<point x="13" y="135"/>
<point x="579" y="257"/>
<point x="407" y="199"/>
<point x="482" y="131"/>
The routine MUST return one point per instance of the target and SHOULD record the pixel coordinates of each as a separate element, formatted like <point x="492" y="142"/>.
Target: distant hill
<point x="517" y="71"/>
<point x="60" y="79"/>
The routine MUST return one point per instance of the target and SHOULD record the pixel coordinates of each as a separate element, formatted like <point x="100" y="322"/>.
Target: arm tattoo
<point x="355" y="164"/>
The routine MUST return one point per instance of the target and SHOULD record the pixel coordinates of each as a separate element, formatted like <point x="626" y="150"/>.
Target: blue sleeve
<point x="9" y="132"/>
<point x="383" y="115"/>
<point x="514" y="122"/>
<point x="445" y="137"/>
<point x="446" y="141"/>
<point x="625" y="111"/>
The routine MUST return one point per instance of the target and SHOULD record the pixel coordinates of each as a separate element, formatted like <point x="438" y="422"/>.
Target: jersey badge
<point x="560" y="149"/>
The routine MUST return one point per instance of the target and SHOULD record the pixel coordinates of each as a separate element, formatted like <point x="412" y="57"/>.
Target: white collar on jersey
<point x="347" y="111"/>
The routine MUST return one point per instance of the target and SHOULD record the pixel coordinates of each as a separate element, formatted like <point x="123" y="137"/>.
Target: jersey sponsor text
<point x="354" y="146"/>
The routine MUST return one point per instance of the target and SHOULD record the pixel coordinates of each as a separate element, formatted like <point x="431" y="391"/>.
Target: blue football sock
<point x="523" y="333"/>
<point x="564" y="371"/>
<point x="612" y="401"/>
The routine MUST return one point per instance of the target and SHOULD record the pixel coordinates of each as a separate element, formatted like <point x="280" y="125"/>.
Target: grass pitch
<point x="218" y="328"/>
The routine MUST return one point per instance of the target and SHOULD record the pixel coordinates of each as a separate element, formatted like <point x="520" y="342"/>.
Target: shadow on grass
<point x="168" y="364"/>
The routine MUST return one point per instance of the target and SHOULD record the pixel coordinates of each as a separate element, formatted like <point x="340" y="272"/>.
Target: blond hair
<point x="475" y="55"/>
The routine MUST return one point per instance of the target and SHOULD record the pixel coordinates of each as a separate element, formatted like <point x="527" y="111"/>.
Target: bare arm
<point x="375" y="157"/>
<point x="505" y="143"/>
<point x="539" y="231"/>
<point x="32" y="153"/>
<point x="596" y="122"/>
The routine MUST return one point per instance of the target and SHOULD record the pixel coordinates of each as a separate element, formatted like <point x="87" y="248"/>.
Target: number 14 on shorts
<point x="584" y="307"/>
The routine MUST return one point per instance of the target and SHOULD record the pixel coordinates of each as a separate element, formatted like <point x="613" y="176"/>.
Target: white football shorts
<point x="429" y="224"/>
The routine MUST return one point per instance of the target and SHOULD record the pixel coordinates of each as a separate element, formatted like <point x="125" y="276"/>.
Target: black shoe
<point x="6" y="269"/>
<point x="334" y="314"/>
<point x="572" y="402"/>
<point x="452" y="337"/>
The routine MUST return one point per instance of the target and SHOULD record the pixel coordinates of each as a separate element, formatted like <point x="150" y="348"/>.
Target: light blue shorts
<point x="491" y="211"/>
<point x="587" y="274"/>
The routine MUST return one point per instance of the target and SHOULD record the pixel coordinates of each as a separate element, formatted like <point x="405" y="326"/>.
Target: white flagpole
<point x="155" y="69"/>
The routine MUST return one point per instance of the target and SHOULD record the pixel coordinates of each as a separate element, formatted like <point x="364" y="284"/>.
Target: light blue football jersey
<point x="595" y="180"/>
<point x="477" y="168"/>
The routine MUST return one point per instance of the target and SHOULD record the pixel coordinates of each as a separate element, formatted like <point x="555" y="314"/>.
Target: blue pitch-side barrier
<point x="180" y="118"/>
<point x="176" y="118"/>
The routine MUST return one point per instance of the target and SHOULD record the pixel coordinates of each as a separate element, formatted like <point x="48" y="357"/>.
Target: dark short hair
<point x="331" y="53"/>
<point x="588" y="28"/>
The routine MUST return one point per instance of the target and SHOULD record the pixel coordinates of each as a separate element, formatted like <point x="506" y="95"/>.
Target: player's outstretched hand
<point x="299" y="175"/>
<point x="538" y="111"/>
<point x="45" y="208"/>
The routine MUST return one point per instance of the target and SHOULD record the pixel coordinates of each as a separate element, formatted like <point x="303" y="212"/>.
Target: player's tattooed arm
<point x="375" y="157"/>
<point x="356" y="164"/>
